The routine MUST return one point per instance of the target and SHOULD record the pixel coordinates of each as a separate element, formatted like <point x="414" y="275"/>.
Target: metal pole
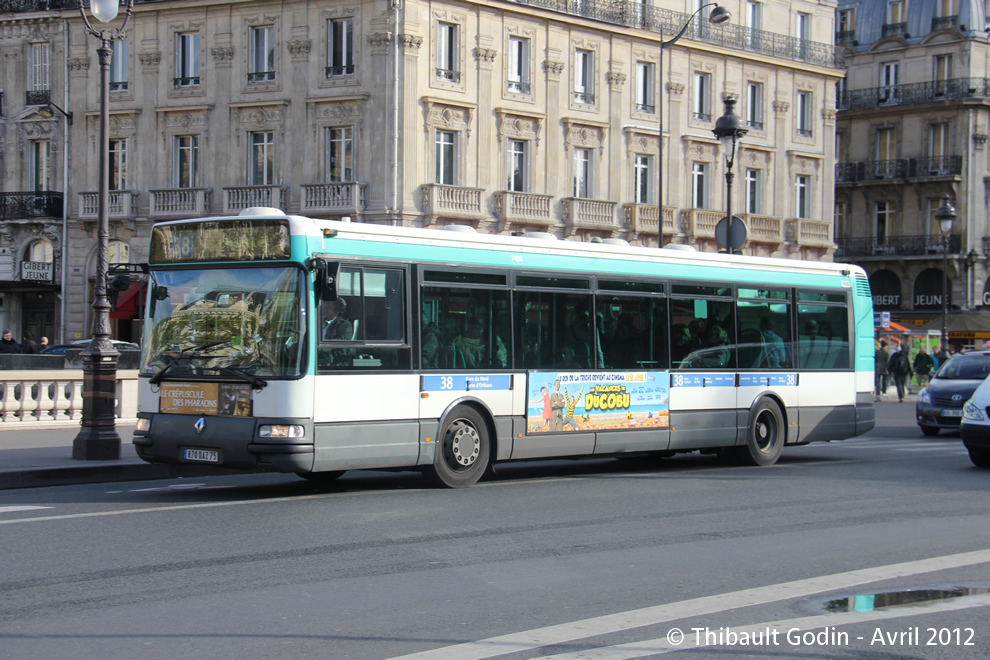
<point x="98" y="439"/>
<point x="945" y="292"/>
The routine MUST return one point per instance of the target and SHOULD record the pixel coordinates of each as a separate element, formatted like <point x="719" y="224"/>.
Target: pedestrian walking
<point x="7" y="343"/>
<point x="880" y="360"/>
<point x="900" y="368"/>
<point x="28" y="347"/>
<point x="923" y="366"/>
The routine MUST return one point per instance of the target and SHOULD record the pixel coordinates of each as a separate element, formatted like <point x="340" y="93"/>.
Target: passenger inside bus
<point x="336" y="327"/>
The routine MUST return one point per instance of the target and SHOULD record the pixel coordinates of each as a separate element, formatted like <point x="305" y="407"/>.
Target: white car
<point x="975" y="426"/>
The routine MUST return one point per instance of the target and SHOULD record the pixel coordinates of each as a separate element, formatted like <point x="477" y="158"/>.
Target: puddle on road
<point x="887" y="600"/>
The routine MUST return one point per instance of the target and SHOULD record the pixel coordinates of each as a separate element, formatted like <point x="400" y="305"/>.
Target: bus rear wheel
<point x="765" y="438"/>
<point x="462" y="451"/>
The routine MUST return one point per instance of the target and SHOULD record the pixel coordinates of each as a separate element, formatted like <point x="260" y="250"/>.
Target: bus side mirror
<point x="326" y="277"/>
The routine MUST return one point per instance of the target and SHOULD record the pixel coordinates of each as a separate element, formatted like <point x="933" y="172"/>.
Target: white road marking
<point x="697" y="607"/>
<point x="694" y="640"/>
<point x="11" y="509"/>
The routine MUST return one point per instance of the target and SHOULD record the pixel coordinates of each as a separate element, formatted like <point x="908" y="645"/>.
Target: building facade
<point x="914" y="115"/>
<point x="538" y="115"/>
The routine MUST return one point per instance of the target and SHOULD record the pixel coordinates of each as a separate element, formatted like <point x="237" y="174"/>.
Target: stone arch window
<point x="40" y="250"/>
<point x="885" y="286"/>
<point x="118" y="252"/>
<point x="928" y="290"/>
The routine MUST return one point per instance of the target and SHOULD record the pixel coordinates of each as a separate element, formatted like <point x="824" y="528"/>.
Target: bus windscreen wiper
<point x="254" y="381"/>
<point x="157" y="377"/>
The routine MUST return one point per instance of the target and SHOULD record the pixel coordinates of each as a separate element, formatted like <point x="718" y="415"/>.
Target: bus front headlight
<point x="281" y="431"/>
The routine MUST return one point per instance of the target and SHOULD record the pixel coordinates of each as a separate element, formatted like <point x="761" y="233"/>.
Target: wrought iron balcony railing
<point x="894" y="29"/>
<point x="896" y="246"/>
<point x="339" y="71"/>
<point x="38" y="97"/>
<point x="845" y="36"/>
<point x="26" y="205"/>
<point x="926" y="92"/>
<point x="944" y="22"/>
<point x="902" y="168"/>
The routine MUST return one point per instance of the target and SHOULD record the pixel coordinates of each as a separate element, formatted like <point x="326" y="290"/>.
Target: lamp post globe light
<point x="717" y="16"/>
<point x="98" y="439"/>
<point x="946" y="215"/>
<point x="729" y="131"/>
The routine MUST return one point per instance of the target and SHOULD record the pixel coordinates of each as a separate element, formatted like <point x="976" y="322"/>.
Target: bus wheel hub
<point x="465" y="445"/>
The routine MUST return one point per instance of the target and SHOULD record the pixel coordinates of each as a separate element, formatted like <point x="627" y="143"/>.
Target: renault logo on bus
<point x="199" y="425"/>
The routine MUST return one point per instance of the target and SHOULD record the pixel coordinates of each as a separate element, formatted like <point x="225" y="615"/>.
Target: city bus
<point x="289" y="344"/>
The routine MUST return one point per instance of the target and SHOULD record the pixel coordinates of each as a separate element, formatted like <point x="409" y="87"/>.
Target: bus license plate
<point x="201" y="455"/>
<point x="952" y="413"/>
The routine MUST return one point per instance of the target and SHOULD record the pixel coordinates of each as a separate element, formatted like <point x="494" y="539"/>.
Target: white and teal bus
<point x="284" y="343"/>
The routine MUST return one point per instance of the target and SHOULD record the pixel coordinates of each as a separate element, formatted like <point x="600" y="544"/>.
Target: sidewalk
<point x="43" y="457"/>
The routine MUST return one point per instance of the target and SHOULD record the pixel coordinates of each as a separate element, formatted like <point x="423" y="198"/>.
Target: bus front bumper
<point x="230" y="442"/>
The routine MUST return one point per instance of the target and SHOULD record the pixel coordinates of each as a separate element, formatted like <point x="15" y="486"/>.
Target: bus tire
<point x="765" y="437"/>
<point x="463" y="449"/>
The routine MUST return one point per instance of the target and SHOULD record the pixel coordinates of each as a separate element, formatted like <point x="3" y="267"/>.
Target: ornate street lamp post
<point x="729" y="130"/>
<point x="945" y="215"/>
<point x="98" y="439"/>
<point x="717" y="16"/>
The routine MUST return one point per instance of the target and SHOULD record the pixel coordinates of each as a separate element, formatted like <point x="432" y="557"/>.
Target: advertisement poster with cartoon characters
<point x="574" y="401"/>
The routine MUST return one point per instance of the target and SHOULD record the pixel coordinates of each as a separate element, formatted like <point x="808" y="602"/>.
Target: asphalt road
<point x="563" y="559"/>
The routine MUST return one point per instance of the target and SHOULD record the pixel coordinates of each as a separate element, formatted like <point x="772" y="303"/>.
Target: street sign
<point x="37" y="271"/>
<point x="730" y="236"/>
<point x="881" y="319"/>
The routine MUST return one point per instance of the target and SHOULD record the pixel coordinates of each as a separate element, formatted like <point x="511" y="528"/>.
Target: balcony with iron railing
<point x="630" y="14"/>
<point x="945" y="22"/>
<point x="179" y="203"/>
<point x="341" y="198"/>
<point x="238" y="198"/>
<point x="523" y="208"/>
<point x="893" y="30"/>
<point x="121" y="204"/>
<point x="899" y="169"/>
<point x="26" y="205"/>
<point x="913" y="93"/>
<point x="896" y="246"/>
<point x="845" y="36"/>
<point x="582" y="213"/>
<point x="443" y="201"/>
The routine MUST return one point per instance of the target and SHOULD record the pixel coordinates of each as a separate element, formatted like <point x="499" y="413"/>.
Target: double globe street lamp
<point x="717" y="16"/>
<point x="98" y="438"/>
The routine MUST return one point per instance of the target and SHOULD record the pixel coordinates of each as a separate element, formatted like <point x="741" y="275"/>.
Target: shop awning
<point x="964" y="325"/>
<point x="130" y="302"/>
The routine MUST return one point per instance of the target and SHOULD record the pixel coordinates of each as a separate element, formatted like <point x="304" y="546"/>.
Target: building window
<point x="340" y="48"/>
<point x="942" y="74"/>
<point x="884" y="221"/>
<point x="699" y="185"/>
<point x="645" y="83"/>
<point x="517" y="166"/>
<point x="840" y="219"/>
<point x="888" y="92"/>
<point x="118" y="252"/>
<point x="582" y="173"/>
<point x="518" y="77"/>
<point x="847" y="21"/>
<point x="41" y="157"/>
<point x="262" y="158"/>
<point x="802" y="196"/>
<point x="446" y="153"/>
<point x="448" y="53"/>
<point x="261" y="66"/>
<point x="754" y="105"/>
<point x="643" y="179"/>
<point x="186" y="59"/>
<point x="702" y="108"/>
<point x="948" y="8"/>
<point x="584" y="76"/>
<point x="895" y="14"/>
<point x="118" y="66"/>
<point x="118" y="164"/>
<point x="752" y="179"/>
<point x="340" y="154"/>
<point x="804" y="114"/>
<point x="40" y="251"/>
<point x="802" y="30"/>
<point x="886" y="154"/>
<point x="38" y="68"/>
<point x="185" y="173"/>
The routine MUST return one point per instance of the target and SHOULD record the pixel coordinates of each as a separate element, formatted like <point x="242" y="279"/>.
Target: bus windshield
<point x="243" y="323"/>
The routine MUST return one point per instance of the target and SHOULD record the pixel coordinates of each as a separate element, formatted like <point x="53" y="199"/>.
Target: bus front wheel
<point x="765" y="438"/>
<point x="462" y="451"/>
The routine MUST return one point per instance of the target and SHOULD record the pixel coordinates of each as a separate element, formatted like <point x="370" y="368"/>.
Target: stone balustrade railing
<point x="40" y="399"/>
